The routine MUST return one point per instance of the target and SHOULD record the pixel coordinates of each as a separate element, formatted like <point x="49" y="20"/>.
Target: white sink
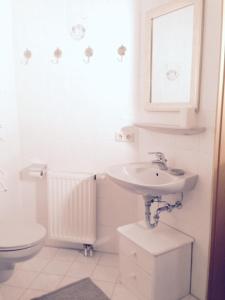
<point x="144" y="179"/>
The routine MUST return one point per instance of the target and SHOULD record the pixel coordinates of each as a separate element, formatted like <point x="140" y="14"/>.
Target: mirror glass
<point x="173" y="55"/>
<point x="172" y="36"/>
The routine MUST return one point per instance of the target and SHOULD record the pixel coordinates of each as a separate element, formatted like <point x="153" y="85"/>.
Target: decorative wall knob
<point x="122" y="52"/>
<point x="88" y="52"/>
<point x="57" y="55"/>
<point x="27" y="56"/>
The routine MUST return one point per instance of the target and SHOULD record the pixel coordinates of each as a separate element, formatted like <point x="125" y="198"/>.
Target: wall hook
<point x="122" y="52"/>
<point x="88" y="52"/>
<point x="27" y="56"/>
<point x="57" y="56"/>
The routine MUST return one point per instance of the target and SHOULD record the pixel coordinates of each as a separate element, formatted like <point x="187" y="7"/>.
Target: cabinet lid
<point x="156" y="241"/>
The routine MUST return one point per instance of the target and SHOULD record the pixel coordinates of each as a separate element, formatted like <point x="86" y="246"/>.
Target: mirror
<point x="173" y="50"/>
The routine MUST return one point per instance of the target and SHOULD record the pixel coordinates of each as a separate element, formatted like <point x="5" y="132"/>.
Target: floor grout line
<point x="114" y="287"/>
<point x="49" y="258"/>
<point x="92" y="273"/>
<point x="38" y="273"/>
<point x="27" y="288"/>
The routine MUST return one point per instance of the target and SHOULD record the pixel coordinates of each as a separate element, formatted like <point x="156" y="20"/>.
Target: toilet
<point x="18" y="242"/>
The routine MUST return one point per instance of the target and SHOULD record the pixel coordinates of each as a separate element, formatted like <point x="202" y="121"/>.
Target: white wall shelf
<point x="170" y="129"/>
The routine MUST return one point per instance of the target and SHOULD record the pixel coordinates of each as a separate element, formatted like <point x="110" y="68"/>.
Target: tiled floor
<point x="53" y="268"/>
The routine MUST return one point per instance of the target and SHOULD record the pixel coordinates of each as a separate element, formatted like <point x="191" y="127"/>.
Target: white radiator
<point x="72" y="207"/>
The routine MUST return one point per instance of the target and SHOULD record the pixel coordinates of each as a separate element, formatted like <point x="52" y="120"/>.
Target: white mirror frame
<point x="196" y="59"/>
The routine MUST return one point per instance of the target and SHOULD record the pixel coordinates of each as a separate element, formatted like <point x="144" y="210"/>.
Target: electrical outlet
<point x="124" y="137"/>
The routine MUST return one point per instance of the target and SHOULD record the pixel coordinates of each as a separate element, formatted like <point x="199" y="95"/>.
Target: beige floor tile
<point x="35" y="264"/>
<point x="90" y="259"/>
<point x="46" y="282"/>
<point x="109" y="260"/>
<point x="57" y="267"/>
<point x="10" y="292"/>
<point x="21" y="279"/>
<point x="121" y="293"/>
<point x="79" y="269"/>
<point x="48" y="252"/>
<point x="67" y="255"/>
<point x="69" y="280"/>
<point x="103" y="273"/>
<point x="30" y="294"/>
<point x="106" y="287"/>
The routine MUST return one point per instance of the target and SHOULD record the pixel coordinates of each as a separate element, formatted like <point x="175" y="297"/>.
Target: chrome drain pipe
<point x="149" y="200"/>
<point x="152" y="222"/>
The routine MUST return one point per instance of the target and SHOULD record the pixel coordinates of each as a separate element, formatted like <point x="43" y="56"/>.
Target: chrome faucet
<point x="160" y="160"/>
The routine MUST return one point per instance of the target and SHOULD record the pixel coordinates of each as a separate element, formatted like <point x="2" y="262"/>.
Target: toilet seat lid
<point x="15" y="236"/>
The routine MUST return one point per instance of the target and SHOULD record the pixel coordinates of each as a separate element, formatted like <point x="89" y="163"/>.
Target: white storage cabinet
<point x="155" y="264"/>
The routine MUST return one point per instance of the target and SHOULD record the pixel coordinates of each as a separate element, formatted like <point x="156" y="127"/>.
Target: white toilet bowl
<point x="18" y="242"/>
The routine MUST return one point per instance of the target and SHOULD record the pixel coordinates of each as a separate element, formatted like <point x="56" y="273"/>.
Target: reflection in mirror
<point x="172" y="56"/>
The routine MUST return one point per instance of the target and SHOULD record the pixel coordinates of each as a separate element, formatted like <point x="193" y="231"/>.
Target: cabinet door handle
<point x="134" y="254"/>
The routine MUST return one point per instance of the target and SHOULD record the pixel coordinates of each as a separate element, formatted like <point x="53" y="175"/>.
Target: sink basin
<point x="144" y="179"/>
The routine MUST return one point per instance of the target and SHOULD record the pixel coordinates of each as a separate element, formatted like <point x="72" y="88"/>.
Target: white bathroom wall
<point x="70" y="111"/>
<point x="9" y="143"/>
<point x="192" y="153"/>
